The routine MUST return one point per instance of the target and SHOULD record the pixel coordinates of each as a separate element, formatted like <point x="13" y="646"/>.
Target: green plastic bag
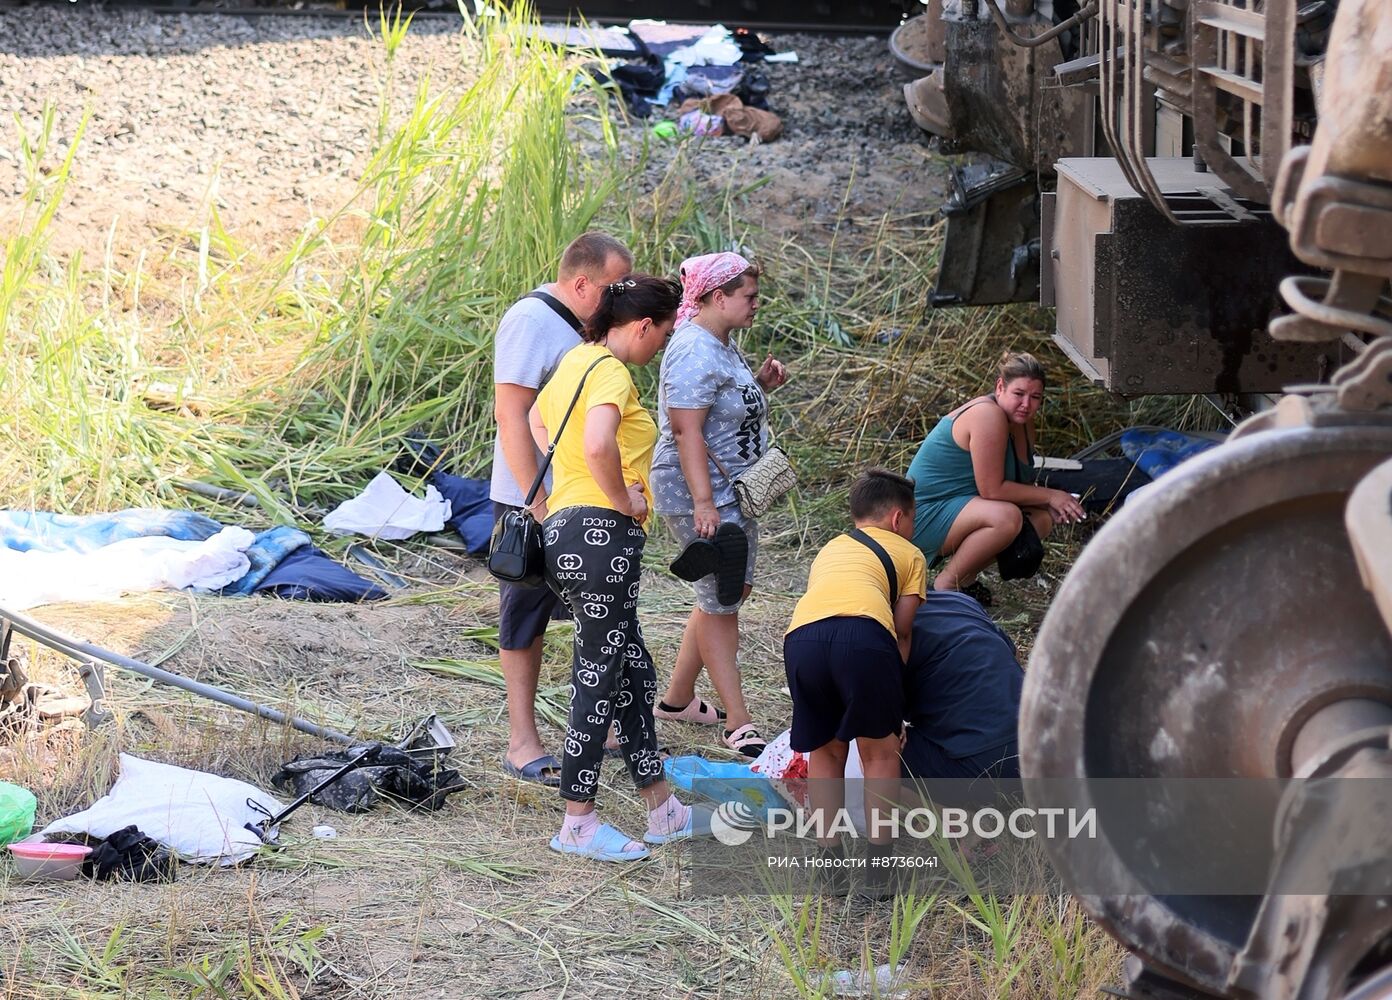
<point x="16" y="813"/>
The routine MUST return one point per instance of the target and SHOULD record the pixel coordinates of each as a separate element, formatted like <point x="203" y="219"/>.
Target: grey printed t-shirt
<point x="530" y="343"/>
<point x="701" y="373"/>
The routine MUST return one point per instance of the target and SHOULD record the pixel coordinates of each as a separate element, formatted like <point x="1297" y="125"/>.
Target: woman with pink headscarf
<point x="713" y="421"/>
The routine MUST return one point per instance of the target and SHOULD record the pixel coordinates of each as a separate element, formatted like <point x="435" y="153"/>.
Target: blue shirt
<point x="962" y="683"/>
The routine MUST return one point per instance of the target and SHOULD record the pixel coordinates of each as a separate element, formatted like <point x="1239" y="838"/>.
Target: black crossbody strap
<point x="555" y="438"/>
<point x="557" y="307"/>
<point x="864" y="539"/>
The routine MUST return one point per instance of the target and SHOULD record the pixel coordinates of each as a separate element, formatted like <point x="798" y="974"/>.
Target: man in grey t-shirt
<point x="531" y="340"/>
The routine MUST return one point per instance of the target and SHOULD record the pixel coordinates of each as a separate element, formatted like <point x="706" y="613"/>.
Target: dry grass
<point x="466" y="902"/>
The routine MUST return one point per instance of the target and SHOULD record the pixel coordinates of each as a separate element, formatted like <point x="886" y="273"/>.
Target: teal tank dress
<point x="944" y="483"/>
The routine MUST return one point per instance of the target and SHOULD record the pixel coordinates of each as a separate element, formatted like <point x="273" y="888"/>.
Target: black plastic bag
<point x="1022" y="557"/>
<point x="393" y="774"/>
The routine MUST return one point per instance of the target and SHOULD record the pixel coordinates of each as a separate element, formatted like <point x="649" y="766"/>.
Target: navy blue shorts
<point x="524" y="612"/>
<point x="847" y="682"/>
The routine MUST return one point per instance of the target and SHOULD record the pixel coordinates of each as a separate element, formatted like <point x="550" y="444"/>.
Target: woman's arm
<point x="606" y="464"/>
<point x="689" y="431"/>
<point x="988" y="435"/>
<point x="540" y="435"/>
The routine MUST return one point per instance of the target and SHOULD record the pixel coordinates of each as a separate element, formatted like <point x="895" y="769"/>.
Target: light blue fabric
<point x="40" y="531"/>
<point x="321" y="579"/>
<point x="723" y="781"/>
<point x="265" y="554"/>
<point x="1157" y="452"/>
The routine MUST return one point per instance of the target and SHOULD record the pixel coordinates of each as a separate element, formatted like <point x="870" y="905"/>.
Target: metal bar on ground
<point x="79" y="650"/>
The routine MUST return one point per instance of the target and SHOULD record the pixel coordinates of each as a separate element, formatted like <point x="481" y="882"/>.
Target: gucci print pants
<point x="593" y="558"/>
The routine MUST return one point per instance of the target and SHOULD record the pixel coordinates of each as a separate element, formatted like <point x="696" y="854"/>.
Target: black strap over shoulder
<point x="864" y="539"/>
<point x="557" y="307"/>
<point x="555" y="438"/>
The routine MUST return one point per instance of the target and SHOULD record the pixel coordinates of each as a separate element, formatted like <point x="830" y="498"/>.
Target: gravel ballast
<point x="271" y="120"/>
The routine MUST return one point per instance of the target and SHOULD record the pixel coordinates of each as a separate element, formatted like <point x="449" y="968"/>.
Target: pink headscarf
<point x="703" y="274"/>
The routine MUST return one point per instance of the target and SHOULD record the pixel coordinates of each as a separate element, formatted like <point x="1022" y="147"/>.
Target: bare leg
<point x="521" y="670"/>
<point x="655" y="794"/>
<point x="981" y="531"/>
<point x="1042" y="520"/>
<point x="711" y="641"/>
<point x="826" y="785"/>
<point x="879" y="759"/>
<point x="681" y="688"/>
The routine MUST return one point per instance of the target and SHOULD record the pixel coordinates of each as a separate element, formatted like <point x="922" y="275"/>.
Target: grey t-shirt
<point x="530" y="343"/>
<point x="701" y="373"/>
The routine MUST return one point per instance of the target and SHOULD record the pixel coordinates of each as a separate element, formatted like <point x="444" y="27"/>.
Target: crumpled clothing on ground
<point x="739" y="120"/>
<point x="129" y="856"/>
<point x="24" y="702"/>
<point x="385" y="510"/>
<point x="200" y="817"/>
<point x="29" y="579"/>
<point x="393" y="774"/>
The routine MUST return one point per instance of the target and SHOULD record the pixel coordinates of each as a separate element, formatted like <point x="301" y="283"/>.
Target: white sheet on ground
<point x="28" y="579"/>
<point x="202" y="817"/>
<point x="385" y="510"/>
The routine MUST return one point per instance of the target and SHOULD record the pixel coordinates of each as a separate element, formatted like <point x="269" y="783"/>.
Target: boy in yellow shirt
<point x="846" y="647"/>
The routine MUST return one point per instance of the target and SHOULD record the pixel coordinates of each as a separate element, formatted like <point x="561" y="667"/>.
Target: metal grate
<point x="1243" y="53"/>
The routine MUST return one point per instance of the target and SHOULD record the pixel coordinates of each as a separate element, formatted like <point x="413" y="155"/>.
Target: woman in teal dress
<point x="972" y="479"/>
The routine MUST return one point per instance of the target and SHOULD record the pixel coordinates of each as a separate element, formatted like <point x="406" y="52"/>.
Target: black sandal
<point x="979" y="592"/>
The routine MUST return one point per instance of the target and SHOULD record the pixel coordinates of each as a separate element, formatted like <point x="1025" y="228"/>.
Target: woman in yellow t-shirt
<point x="594" y="536"/>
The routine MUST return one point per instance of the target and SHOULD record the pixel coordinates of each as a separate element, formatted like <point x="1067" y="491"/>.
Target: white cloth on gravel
<point x="201" y="817"/>
<point x="385" y="510"/>
<point x="29" y="579"/>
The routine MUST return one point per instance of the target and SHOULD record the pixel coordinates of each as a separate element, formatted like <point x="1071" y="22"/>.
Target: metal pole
<point x="79" y="650"/>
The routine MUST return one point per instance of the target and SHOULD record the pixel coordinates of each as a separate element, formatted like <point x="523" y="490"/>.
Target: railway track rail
<point x="872" y="17"/>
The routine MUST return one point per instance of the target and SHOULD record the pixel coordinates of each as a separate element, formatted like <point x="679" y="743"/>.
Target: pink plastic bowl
<point x="56" y="862"/>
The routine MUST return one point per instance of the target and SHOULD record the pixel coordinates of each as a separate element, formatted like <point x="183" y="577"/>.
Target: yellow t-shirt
<point x="572" y="483"/>
<point x="848" y="580"/>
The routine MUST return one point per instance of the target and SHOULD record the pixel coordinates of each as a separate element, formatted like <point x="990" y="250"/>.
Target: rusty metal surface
<point x="1151" y="307"/>
<point x="1145" y="666"/>
<point x="991" y="251"/>
<point x="999" y="99"/>
<point x="1369" y="521"/>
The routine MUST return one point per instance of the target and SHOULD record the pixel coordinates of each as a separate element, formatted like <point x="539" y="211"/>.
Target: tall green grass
<point x="295" y="374"/>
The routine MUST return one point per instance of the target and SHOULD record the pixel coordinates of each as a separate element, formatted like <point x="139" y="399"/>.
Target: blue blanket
<point x="266" y="553"/>
<point x="471" y="512"/>
<point x="40" y="531"/>
<point x="307" y="574"/>
<point x="1157" y="452"/>
<point x="282" y="559"/>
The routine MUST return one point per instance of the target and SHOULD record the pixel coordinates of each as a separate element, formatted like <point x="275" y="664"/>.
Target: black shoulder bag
<point x="864" y="539"/>
<point x="515" y="553"/>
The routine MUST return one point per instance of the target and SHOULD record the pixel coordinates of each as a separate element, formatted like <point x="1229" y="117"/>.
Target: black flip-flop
<point x="726" y="555"/>
<point x="699" y="558"/>
<point x="732" y="545"/>
<point x="980" y="593"/>
<point x="536" y="771"/>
